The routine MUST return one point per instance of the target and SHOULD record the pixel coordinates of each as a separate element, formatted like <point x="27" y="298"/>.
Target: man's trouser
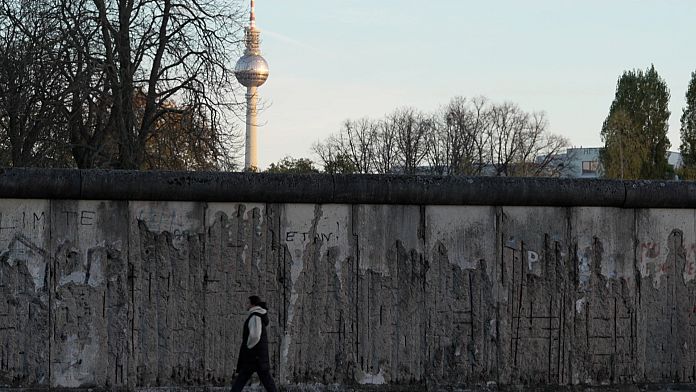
<point x="245" y="375"/>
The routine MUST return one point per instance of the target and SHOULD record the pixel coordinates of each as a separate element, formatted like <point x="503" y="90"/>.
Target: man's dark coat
<point x="255" y="358"/>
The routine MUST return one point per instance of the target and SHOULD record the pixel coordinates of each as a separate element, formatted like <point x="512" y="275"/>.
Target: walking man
<point x="253" y="355"/>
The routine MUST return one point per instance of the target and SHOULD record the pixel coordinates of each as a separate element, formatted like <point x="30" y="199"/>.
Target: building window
<point x="590" y="167"/>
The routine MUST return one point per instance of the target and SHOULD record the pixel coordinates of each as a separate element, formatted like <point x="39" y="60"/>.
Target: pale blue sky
<point x="332" y="60"/>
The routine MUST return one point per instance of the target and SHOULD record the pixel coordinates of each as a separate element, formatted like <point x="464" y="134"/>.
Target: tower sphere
<point x="251" y="70"/>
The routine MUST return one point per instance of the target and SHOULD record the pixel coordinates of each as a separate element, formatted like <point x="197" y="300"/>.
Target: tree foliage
<point x="31" y="124"/>
<point x="466" y="137"/>
<point x="635" y="131"/>
<point x="92" y="82"/>
<point x="623" y="153"/>
<point x="183" y="139"/>
<point x="340" y="164"/>
<point x="688" y="131"/>
<point x="290" y="165"/>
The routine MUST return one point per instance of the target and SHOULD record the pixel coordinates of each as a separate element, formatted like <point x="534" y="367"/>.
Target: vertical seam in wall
<point x="498" y="277"/>
<point x="520" y="298"/>
<point x="636" y="267"/>
<point x="79" y="172"/>
<point x="356" y="239"/>
<point x="472" y="334"/>
<point x="131" y="281"/>
<point x="51" y="291"/>
<point x="204" y="265"/>
<point x="567" y="295"/>
<point x="424" y="261"/>
<point x="547" y="251"/>
<point x="225" y="334"/>
<point x="637" y="299"/>
<point x="625" y="196"/>
<point x="273" y="221"/>
<point x="395" y="364"/>
<point x="333" y="189"/>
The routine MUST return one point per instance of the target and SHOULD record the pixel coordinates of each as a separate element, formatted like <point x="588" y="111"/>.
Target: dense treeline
<point x="127" y="84"/>
<point x="466" y="137"/>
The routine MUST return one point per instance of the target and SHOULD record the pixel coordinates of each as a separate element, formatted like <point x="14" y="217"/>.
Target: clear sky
<point x="332" y="60"/>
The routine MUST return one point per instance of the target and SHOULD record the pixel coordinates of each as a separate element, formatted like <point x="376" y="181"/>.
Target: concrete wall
<point x="138" y="294"/>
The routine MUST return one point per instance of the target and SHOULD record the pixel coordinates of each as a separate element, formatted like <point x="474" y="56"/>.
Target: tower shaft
<point x="251" y="72"/>
<point x="251" y="155"/>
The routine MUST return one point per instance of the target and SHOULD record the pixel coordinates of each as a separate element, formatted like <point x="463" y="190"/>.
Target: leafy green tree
<point x="290" y="165"/>
<point x="635" y="131"/>
<point x="340" y="164"/>
<point x="623" y="152"/>
<point x="688" y="132"/>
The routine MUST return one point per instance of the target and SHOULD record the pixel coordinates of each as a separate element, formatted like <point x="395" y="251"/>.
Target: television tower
<point x="252" y="72"/>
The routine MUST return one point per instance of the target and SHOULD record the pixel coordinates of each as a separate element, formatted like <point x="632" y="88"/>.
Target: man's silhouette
<point x="253" y="355"/>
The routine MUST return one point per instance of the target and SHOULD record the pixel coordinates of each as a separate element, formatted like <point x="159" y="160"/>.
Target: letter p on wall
<point x="532" y="259"/>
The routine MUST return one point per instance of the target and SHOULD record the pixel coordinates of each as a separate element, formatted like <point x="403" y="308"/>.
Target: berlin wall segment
<point x="149" y="294"/>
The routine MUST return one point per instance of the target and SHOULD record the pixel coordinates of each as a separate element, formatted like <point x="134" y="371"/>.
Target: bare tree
<point x="539" y="152"/>
<point x="31" y="128"/>
<point x="353" y="143"/>
<point x="327" y="151"/>
<point x="520" y="144"/>
<point x="356" y="143"/>
<point x="440" y="147"/>
<point x="481" y="124"/>
<point x="168" y="49"/>
<point x="466" y="137"/>
<point x="508" y="123"/>
<point x="411" y="130"/>
<point x="87" y="101"/>
<point x="452" y="147"/>
<point x="385" y="152"/>
<point x="120" y="65"/>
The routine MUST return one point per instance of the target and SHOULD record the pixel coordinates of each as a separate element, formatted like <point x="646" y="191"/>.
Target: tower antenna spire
<point x="252" y="15"/>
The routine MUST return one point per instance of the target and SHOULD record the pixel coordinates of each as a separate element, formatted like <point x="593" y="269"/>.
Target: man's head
<point x="254" y="300"/>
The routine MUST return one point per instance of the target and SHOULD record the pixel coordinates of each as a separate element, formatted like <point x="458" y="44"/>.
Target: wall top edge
<point x="341" y="189"/>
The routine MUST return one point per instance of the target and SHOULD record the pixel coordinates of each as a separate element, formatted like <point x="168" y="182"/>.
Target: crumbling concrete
<point x="150" y="295"/>
<point x="25" y="288"/>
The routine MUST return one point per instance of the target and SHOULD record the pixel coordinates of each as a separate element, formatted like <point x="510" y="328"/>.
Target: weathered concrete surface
<point x="667" y="302"/>
<point x="89" y="307"/>
<point x="242" y="256"/>
<point x="25" y="292"/>
<point x="534" y="296"/>
<point x="605" y="302"/>
<point x="320" y="294"/>
<point x="461" y="245"/>
<point x="391" y="305"/>
<point x="166" y="247"/>
<point x="150" y="295"/>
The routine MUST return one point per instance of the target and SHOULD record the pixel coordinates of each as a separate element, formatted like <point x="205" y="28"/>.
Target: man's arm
<point x="254" y="331"/>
